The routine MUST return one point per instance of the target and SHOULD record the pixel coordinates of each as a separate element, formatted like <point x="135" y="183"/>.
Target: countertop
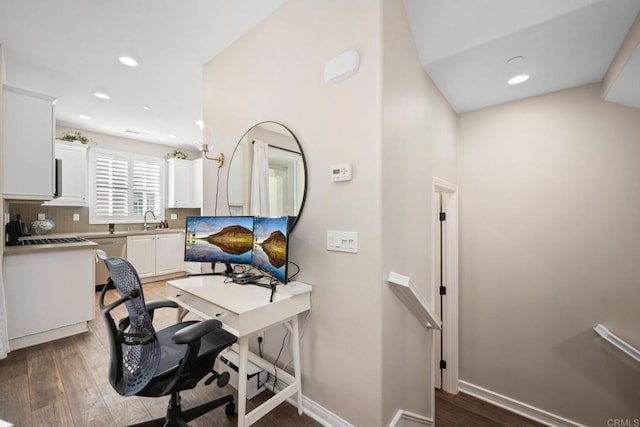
<point x="105" y="234"/>
<point x="11" y="250"/>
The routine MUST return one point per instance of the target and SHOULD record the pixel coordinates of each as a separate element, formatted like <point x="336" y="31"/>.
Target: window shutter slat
<point x="125" y="186"/>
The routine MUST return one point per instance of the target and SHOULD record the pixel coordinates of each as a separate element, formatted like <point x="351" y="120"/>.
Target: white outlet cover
<point x="174" y="216"/>
<point x="342" y="241"/>
<point x="42" y="216"/>
<point x="76" y="217"/>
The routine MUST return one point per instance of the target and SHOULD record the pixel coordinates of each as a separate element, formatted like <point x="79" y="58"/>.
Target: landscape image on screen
<point x="270" y="246"/>
<point x="219" y="239"/>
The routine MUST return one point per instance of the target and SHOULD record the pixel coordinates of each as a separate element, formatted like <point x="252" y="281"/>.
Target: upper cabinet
<point x="73" y="160"/>
<point x="28" y="126"/>
<point x="184" y="183"/>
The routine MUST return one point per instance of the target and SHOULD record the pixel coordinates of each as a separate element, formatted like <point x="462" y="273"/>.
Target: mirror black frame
<point x="304" y="165"/>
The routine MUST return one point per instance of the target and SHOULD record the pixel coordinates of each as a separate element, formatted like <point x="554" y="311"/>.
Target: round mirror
<point x="267" y="174"/>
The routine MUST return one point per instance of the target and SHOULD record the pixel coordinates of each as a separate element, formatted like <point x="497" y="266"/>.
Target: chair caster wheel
<point x="223" y="379"/>
<point x="230" y="409"/>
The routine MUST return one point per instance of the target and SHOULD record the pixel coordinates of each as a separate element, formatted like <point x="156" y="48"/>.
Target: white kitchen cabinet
<point x="156" y="254"/>
<point x="141" y="252"/>
<point x="169" y="253"/>
<point x="28" y="127"/>
<point x="184" y="183"/>
<point x="193" y="268"/>
<point x="46" y="294"/>
<point x="74" y="174"/>
<point x="196" y="178"/>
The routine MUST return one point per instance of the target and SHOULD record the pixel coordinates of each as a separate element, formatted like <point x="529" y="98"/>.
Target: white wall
<point x="275" y="72"/>
<point x="418" y="144"/>
<point x="550" y="243"/>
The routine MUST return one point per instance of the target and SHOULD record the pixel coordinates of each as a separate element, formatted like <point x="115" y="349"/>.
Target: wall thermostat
<point x="341" y="172"/>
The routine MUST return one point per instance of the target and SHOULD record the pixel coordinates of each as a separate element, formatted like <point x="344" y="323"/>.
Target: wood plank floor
<point x="64" y="383"/>
<point x="462" y="410"/>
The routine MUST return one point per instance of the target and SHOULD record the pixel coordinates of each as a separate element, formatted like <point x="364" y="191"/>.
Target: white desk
<point x="244" y="311"/>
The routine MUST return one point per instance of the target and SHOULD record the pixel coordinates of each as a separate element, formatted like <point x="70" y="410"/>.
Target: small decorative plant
<point x="178" y="154"/>
<point x="76" y="137"/>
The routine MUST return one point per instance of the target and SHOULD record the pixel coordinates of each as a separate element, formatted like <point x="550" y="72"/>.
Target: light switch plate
<point x="174" y="216"/>
<point x="76" y="217"/>
<point x="42" y="216"/>
<point x="342" y="241"/>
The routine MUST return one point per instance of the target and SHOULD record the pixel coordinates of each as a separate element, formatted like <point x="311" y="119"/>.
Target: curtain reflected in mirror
<point x="267" y="174"/>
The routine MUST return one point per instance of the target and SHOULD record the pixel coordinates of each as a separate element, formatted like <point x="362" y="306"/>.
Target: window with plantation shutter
<point x="124" y="186"/>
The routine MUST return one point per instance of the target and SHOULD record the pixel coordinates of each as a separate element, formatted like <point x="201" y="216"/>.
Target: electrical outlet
<point x="174" y="216"/>
<point x="42" y="216"/>
<point x="76" y="217"/>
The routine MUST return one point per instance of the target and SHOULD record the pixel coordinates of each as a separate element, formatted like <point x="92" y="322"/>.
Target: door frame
<point x="450" y="320"/>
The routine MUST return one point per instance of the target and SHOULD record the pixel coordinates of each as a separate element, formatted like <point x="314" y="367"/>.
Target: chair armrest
<point x="195" y="331"/>
<point x="152" y="305"/>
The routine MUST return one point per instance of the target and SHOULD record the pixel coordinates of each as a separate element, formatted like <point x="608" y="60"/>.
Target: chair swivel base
<point x="176" y="417"/>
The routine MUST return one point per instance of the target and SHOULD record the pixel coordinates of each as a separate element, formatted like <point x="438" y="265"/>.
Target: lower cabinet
<point x="47" y="294"/>
<point x="156" y="254"/>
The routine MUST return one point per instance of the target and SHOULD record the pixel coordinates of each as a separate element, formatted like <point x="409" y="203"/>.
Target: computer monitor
<point x="226" y="239"/>
<point x="270" y="246"/>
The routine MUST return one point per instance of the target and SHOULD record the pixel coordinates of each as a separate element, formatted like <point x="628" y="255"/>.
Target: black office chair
<point x="146" y="362"/>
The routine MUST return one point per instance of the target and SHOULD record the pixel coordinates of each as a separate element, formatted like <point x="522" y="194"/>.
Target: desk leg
<point x="243" y="344"/>
<point x="181" y="313"/>
<point x="296" y="361"/>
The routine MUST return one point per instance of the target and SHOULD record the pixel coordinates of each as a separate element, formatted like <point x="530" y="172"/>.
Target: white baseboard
<point x="322" y="414"/>
<point x="516" y="406"/>
<point x="405" y="418"/>
<point x="318" y="412"/>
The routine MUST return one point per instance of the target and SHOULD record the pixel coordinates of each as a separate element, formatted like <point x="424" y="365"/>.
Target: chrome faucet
<point x="145" y="226"/>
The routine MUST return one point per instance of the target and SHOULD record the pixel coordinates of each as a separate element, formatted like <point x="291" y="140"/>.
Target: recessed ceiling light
<point x="518" y="79"/>
<point x="127" y="60"/>
<point x="515" y="60"/>
<point x="146" y="107"/>
<point x="101" y="95"/>
<point x="171" y="136"/>
<point x="84" y="117"/>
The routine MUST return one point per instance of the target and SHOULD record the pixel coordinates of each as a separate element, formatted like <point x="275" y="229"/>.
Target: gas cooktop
<point x="52" y="241"/>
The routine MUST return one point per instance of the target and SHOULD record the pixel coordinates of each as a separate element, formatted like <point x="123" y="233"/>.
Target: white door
<point x="445" y="280"/>
<point x="440" y="286"/>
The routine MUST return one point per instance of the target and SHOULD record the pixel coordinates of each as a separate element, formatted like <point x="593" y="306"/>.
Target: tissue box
<point x="228" y="361"/>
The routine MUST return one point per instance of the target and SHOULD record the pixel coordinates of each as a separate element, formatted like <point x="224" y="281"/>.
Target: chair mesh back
<point x="139" y="362"/>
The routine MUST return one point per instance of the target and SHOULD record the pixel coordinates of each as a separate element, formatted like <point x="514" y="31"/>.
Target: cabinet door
<point x="48" y="290"/>
<point x="169" y="253"/>
<point x="197" y="183"/>
<point x="180" y="183"/>
<point x="141" y="252"/>
<point x="74" y="175"/>
<point x="28" y="120"/>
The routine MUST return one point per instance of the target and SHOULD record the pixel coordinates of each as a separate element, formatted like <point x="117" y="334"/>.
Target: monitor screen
<point x="226" y="239"/>
<point x="270" y="241"/>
